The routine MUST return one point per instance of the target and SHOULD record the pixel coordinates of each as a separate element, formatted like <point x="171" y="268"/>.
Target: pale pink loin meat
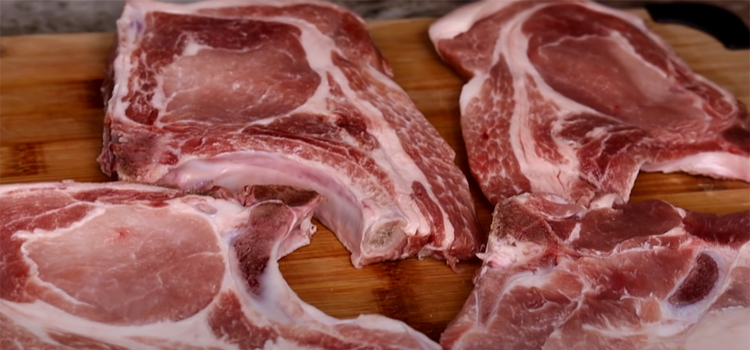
<point x="233" y="93"/>
<point x="574" y="98"/>
<point x="633" y="277"/>
<point x="125" y="266"/>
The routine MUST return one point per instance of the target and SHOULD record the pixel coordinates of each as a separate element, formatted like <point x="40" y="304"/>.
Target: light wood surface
<point x="51" y="125"/>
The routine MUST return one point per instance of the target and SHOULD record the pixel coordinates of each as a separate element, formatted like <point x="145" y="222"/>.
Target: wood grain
<point x="51" y="125"/>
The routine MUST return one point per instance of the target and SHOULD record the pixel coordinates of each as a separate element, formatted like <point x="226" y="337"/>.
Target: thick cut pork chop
<point x="123" y="266"/>
<point x="636" y="276"/>
<point x="573" y="98"/>
<point x="232" y="93"/>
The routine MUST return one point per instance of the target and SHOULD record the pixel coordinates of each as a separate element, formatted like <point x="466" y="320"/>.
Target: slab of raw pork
<point x="125" y="266"/>
<point x="637" y="276"/>
<point x="233" y="92"/>
<point x="573" y="98"/>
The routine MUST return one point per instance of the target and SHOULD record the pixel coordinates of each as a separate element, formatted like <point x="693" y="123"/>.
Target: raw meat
<point x="638" y="276"/>
<point x="231" y="93"/>
<point x="125" y="266"/>
<point x="573" y="98"/>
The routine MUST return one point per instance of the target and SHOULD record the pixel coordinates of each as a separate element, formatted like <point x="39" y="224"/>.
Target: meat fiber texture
<point x="572" y="98"/>
<point x="232" y="93"/>
<point x="637" y="276"/>
<point x="125" y="266"/>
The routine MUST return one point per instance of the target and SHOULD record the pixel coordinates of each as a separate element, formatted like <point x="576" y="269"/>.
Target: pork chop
<point x="573" y="98"/>
<point x="637" y="276"/>
<point x="125" y="266"/>
<point x="233" y="93"/>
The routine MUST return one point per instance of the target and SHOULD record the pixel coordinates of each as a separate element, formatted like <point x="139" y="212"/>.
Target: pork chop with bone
<point x="232" y="93"/>
<point x="123" y="266"/>
<point x="639" y="276"/>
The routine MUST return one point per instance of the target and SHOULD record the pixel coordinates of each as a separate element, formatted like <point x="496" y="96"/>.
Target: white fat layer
<point x="503" y="255"/>
<point x="284" y="344"/>
<point x="129" y="29"/>
<point x="575" y="233"/>
<point x="744" y="256"/>
<point x="40" y="234"/>
<point x="463" y="18"/>
<point x="192" y="48"/>
<point x="191" y="8"/>
<point x="471" y="90"/>
<point x="223" y="214"/>
<point x="36" y="318"/>
<point x="605" y="201"/>
<point x="716" y="164"/>
<point x="725" y="329"/>
<point x="728" y="329"/>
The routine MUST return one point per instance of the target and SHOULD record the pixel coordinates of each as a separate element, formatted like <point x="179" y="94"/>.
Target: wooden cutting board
<point x="51" y="125"/>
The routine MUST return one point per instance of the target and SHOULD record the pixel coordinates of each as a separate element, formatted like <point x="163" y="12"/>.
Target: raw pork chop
<point x="232" y="93"/>
<point x="124" y="266"/>
<point x="637" y="276"/>
<point x="573" y="98"/>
